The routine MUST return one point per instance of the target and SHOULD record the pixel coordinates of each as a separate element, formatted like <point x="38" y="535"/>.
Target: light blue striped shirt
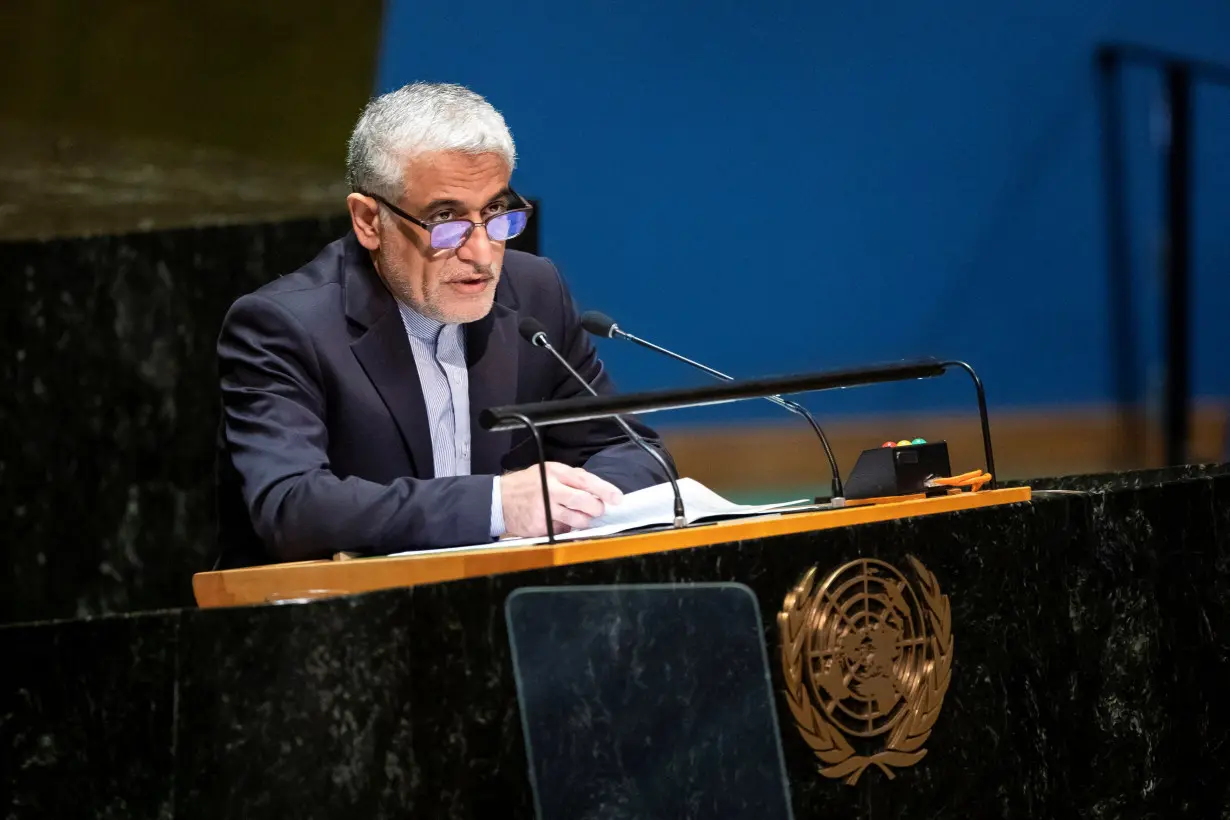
<point x="440" y="358"/>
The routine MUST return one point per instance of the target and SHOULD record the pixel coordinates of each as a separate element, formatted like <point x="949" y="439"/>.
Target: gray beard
<point x="396" y="280"/>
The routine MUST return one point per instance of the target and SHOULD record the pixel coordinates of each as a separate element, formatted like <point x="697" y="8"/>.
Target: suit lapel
<point x="385" y="355"/>
<point x="491" y="357"/>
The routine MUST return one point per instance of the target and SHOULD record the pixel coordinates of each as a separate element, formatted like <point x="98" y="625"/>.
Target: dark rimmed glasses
<point x="453" y="233"/>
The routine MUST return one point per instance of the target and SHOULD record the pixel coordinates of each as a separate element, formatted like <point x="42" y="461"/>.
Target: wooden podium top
<point x="323" y="579"/>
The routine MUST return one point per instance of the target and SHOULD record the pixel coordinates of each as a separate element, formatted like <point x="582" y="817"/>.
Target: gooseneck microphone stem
<point x="615" y="332"/>
<point x="839" y="490"/>
<point x="538" y="337"/>
<point x="542" y="472"/>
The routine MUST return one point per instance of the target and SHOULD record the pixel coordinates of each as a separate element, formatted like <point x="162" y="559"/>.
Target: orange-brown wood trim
<point x="319" y="579"/>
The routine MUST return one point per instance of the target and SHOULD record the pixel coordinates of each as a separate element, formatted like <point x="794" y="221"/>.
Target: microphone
<point x="533" y="332"/>
<point x="602" y="325"/>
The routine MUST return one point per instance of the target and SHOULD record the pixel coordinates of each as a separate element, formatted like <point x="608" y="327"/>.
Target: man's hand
<point x="577" y="497"/>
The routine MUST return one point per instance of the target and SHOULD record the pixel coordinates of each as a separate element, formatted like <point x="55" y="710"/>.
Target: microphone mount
<point x="563" y="411"/>
<point x="533" y="331"/>
<point x="595" y="322"/>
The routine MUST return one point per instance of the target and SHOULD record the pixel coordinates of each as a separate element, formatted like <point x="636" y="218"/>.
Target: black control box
<point x="898" y="470"/>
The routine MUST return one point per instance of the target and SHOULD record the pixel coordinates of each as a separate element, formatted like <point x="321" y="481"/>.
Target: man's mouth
<point x="471" y="284"/>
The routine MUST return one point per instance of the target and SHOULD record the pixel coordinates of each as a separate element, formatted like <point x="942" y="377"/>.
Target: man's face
<point x="451" y="286"/>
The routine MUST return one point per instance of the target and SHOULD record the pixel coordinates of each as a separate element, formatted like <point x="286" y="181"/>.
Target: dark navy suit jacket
<point x="324" y="444"/>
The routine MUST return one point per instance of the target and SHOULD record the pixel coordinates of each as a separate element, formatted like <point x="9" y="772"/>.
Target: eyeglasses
<point x="454" y="233"/>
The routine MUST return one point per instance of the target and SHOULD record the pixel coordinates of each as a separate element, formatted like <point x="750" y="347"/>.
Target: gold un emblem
<point x="866" y="654"/>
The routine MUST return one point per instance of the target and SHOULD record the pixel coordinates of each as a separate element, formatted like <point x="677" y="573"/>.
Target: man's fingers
<point x="590" y="483"/>
<point x="576" y="500"/>
<point x="570" y="518"/>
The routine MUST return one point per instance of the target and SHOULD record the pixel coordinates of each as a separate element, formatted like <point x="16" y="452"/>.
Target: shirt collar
<point x="420" y="326"/>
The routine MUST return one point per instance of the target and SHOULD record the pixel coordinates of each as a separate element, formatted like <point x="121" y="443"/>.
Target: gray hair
<point x="416" y="119"/>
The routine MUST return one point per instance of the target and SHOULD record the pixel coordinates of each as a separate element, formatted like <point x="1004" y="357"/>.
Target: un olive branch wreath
<point x="923" y="702"/>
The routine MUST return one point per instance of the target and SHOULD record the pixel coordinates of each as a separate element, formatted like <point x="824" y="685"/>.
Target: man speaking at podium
<point x="351" y="387"/>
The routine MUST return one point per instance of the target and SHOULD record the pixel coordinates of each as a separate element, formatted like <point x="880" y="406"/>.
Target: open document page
<point x="646" y="508"/>
<point x="656" y="505"/>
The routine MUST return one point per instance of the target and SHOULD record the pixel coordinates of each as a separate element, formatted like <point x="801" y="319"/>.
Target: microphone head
<point x="529" y="328"/>
<point x="598" y="324"/>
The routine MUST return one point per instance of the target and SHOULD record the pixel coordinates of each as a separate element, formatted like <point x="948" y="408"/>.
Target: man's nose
<point x="477" y="248"/>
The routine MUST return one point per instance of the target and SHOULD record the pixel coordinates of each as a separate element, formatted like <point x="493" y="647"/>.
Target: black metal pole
<point x="987" y="452"/>
<point x="1124" y="354"/>
<point x="588" y="408"/>
<point x="1178" y="263"/>
<point x="542" y="473"/>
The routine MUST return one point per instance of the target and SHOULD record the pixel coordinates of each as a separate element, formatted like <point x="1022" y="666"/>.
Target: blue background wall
<point x="783" y="186"/>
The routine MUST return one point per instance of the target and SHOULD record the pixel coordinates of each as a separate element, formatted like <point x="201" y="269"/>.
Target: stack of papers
<point x="656" y="505"/>
<point x="652" y="506"/>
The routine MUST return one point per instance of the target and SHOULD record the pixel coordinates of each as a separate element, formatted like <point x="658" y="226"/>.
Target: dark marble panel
<point x="303" y="711"/>
<point x="1116" y="718"/>
<point x="1147" y="723"/>
<point x="1199" y="592"/>
<point x="1128" y="479"/>
<point x="993" y="749"/>
<point x="87" y="710"/>
<point x="383" y="704"/>
<point x="106" y="476"/>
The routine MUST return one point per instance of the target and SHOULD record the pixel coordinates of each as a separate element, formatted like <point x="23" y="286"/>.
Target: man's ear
<point x="365" y="219"/>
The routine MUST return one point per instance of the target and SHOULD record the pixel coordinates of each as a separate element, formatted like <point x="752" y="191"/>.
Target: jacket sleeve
<point x="600" y="446"/>
<point x="274" y="423"/>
